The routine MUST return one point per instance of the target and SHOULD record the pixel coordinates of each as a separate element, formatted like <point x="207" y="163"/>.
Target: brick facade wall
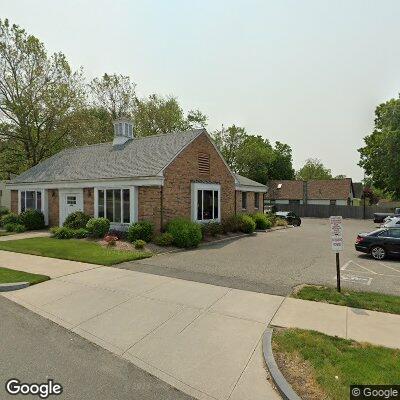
<point x="250" y="203"/>
<point x="54" y="207"/>
<point x="149" y="205"/>
<point x="184" y="169"/>
<point x="88" y="201"/>
<point x="14" y="201"/>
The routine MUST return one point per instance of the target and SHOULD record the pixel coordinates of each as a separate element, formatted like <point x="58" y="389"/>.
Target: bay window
<point x="206" y="202"/>
<point x="114" y="204"/>
<point x="30" y="200"/>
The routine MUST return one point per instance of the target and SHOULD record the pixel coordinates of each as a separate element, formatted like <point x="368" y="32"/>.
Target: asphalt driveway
<point x="275" y="262"/>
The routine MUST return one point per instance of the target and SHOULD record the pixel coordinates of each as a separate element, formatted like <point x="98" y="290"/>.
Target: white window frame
<point x="132" y="204"/>
<point x="44" y="200"/>
<point x="31" y="190"/>
<point x="205" y="186"/>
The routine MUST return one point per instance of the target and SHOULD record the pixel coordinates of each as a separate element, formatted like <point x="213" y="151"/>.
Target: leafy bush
<point x="32" y="219"/>
<point x="62" y="232"/>
<point x="11" y="218"/>
<point x="98" y="227"/>
<point x="140" y="231"/>
<point x="280" y="222"/>
<point x="247" y="225"/>
<point x="111" y="240"/>
<point x="3" y="211"/>
<point x="80" y="233"/>
<point x="165" y="239"/>
<point x="211" y="229"/>
<point x="76" y="220"/>
<point x="13" y="227"/>
<point x="261" y="220"/>
<point x="185" y="232"/>
<point x="139" y="244"/>
<point x="272" y="218"/>
<point x="232" y="224"/>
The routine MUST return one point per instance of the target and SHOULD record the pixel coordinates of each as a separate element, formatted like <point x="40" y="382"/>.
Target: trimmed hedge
<point x="98" y="227"/>
<point x="63" y="232"/>
<point x="212" y="229"/>
<point x="165" y="239"/>
<point x="139" y="244"/>
<point x="261" y="220"/>
<point x="185" y="232"/>
<point x="247" y="225"/>
<point x="76" y="220"/>
<point x="142" y="230"/>
<point x="32" y="219"/>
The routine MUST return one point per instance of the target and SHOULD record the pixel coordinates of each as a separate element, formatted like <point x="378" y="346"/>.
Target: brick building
<point x="155" y="178"/>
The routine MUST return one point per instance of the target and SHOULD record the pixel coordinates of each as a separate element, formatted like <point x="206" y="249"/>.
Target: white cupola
<point x="123" y="130"/>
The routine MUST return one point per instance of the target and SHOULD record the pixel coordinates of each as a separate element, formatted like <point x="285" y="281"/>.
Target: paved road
<point x="34" y="349"/>
<point x="275" y="262"/>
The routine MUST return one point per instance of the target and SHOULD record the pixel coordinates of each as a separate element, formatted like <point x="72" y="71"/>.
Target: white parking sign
<point x="336" y="233"/>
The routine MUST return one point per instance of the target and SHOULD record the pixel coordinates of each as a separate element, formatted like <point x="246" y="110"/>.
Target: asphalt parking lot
<point x="275" y="262"/>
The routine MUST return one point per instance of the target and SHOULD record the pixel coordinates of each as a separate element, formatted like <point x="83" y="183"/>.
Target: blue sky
<point x="308" y="73"/>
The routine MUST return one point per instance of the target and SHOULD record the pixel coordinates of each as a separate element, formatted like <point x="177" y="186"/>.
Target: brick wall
<point x="54" y="207"/>
<point x="185" y="169"/>
<point x="88" y="201"/>
<point x="14" y="201"/>
<point x="149" y="205"/>
<point x="250" y="203"/>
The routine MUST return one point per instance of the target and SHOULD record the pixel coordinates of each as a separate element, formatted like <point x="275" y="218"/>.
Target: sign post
<point x="337" y="243"/>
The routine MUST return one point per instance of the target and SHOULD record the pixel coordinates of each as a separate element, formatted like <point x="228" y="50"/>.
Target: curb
<point x="7" y="287"/>
<point x="285" y="390"/>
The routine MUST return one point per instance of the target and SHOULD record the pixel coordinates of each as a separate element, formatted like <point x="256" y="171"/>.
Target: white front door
<point x="70" y="201"/>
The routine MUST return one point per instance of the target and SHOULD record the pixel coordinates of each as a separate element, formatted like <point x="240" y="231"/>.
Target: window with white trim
<point x="30" y="200"/>
<point x="114" y="204"/>
<point x="206" y="202"/>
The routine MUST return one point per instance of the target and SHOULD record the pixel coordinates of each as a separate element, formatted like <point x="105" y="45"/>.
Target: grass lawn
<point x="72" y="249"/>
<point x="11" y="276"/>
<point x="369" y="301"/>
<point x="323" y="367"/>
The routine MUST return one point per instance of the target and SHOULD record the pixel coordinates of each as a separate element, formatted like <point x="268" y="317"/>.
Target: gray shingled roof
<point x="242" y="180"/>
<point x="139" y="157"/>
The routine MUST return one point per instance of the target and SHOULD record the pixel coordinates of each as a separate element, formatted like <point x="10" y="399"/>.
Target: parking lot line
<point x="368" y="271"/>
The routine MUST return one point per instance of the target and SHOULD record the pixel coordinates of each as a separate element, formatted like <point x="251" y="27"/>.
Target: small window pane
<point x="244" y="200"/>
<point x="71" y="200"/>
<point x="199" y="205"/>
<point x="256" y="200"/>
<point x="117" y="205"/>
<point x="30" y="200"/>
<point x="100" y="204"/>
<point x="207" y="204"/>
<point x="216" y="204"/>
<point x="126" y="206"/>
<point x="38" y="201"/>
<point x="120" y="128"/>
<point x="109" y="205"/>
<point x="22" y="201"/>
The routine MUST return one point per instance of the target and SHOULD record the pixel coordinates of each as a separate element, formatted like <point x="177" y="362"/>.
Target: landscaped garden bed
<point x="318" y="366"/>
<point x="367" y="300"/>
<point x="12" y="276"/>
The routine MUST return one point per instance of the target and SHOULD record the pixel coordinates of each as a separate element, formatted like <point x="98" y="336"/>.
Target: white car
<point x="393" y="222"/>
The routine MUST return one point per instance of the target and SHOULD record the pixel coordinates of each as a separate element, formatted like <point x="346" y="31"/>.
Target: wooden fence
<point x="325" y="211"/>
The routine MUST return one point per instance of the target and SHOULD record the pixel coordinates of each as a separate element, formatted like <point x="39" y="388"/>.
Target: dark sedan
<point x="290" y="217"/>
<point x="379" y="243"/>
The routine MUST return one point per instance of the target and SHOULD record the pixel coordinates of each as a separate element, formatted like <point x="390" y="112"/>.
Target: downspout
<point x="162" y="208"/>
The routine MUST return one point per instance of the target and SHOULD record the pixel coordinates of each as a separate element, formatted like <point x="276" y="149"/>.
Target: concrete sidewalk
<point x="203" y="339"/>
<point x="25" y="235"/>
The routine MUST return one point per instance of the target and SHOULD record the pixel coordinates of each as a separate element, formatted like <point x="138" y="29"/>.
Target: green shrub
<point x="3" y="211"/>
<point x="11" y="218"/>
<point x="212" y="229"/>
<point x="80" y="233"/>
<point x="98" y="227"/>
<point x="32" y="219"/>
<point x="247" y="225"/>
<point x="232" y="224"/>
<point x="76" y="220"/>
<point x="12" y="227"/>
<point x="165" y="239"/>
<point x="63" y="232"/>
<point x="185" y="232"/>
<point x="140" y="231"/>
<point x="271" y="217"/>
<point x="261" y="220"/>
<point x="139" y="244"/>
<point x="280" y="222"/>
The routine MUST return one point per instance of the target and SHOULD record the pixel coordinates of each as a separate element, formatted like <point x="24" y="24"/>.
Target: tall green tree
<point x="282" y="163"/>
<point x="380" y="157"/>
<point x="37" y="92"/>
<point x="313" y="169"/>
